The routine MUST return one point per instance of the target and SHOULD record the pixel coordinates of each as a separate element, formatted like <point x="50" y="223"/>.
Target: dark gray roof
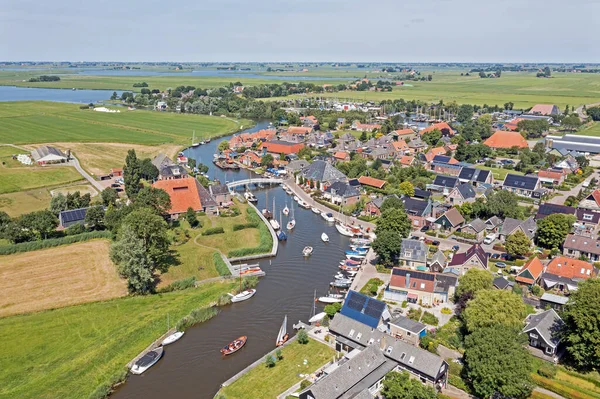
<point x="548" y="209"/>
<point x="561" y="300"/>
<point x="571" y="142"/>
<point x="297" y="165"/>
<point x="528" y="226"/>
<point x="323" y="171"/>
<point x="418" y="250"/>
<point x="442" y="158"/>
<point x="407" y="324"/>
<point x="421" y="193"/>
<point x="494" y="221"/>
<point x="521" y="182"/>
<point x="547" y="325"/>
<point x="205" y="198"/>
<point x="502" y="283"/>
<point x="218" y="189"/>
<point x="72" y="215"/>
<point x="474" y="175"/>
<point x="414" y="206"/>
<point x="587" y="216"/>
<point x="478" y="225"/>
<point x="446" y="181"/>
<point x="466" y="190"/>
<point x="44" y="151"/>
<point x="438" y="257"/>
<point x="162" y="160"/>
<point x="443" y="282"/>
<point x="342" y="189"/>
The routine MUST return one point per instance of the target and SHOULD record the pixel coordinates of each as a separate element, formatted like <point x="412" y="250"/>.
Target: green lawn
<point x="44" y="122"/>
<point x="30" y="177"/>
<point x="67" y="353"/>
<point x="267" y="383"/>
<point x="499" y="173"/>
<point x="21" y="202"/>
<point x="592" y="130"/>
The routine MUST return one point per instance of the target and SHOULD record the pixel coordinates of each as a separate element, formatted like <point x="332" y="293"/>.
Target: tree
<point x="94" y="217"/>
<point x="58" y="203"/>
<point x="148" y="171"/>
<point x="465" y="113"/>
<point x="305" y="153"/>
<point x="594" y="113"/>
<point x="571" y="122"/>
<point x="129" y="253"/>
<point x="504" y="204"/>
<point x="496" y="362"/>
<point x="109" y="196"/>
<point x="391" y="202"/>
<point x="517" y="244"/>
<point x="363" y="136"/>
<point x="582" y="161"/>
<point x="432" y="137"/>
<point x="154" y="198"/>
<point x="190" y="216"/>
<point x="267" y="160"/>
<point x="302" y="337"/>
<point x="581" y="330"/>
<point x="388" y="246"/>
<point x="223" y="145"/>
<point x="407" y="188"/>
<point x="400" y="386"/>
<point x="279" y="354"/>
<point x="131" y="174"/>
<point x="114" y="96"/>
<point x="533" y="128"/>
<point x="491" y="308"/>
<point x="553" y="229"/>
<point x="5" y="222"/>
<point x="40" y="223"/>
<point x="152" y="230"/>
<point x="395" y="220"/>
<point x="332" y="309"/>
<point x="473" y="281"/>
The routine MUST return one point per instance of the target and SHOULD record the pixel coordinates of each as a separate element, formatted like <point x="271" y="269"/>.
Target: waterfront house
<point x="187" y="193"/>
<point x="506" y="139"/>
<point x="324" y="172"/>
<point x="476" y="227"/>
<point x="543" y="331"/>
<point x="530" y="274"/>
<point x="167" y="169"/>
<point x="474" y="257"/>
<point x="48" y="155"/>
<point x="450" y="220"/>
<point x="413" y="253"/>
<point x="366" y="310"/>
<point x="420" y="287"/>
<point x="342" y="193"/>
<point x="296" y="166"/>
<point x="407" y="330"/>
<point x="564" y="274"/>
<point x="544" y="109"/>
<point x="220" y="193"/>
<point x="475" y="176"/>
<point x="277" y="147"/>
<point x="250" y="159"/>
<point x="462" y="193"/>
<point x="525" y="186"/>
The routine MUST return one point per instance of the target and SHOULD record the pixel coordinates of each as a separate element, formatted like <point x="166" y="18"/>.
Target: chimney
<point x="382" y="343"/>
<point x="407" y="280"/>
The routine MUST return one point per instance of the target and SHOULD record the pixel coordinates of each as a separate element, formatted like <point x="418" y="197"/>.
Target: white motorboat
<point x="291" y="224"/>
<point x="275" y="224"/>
<point x="147" y="361"/>
<point x="286" y="210"/>
<point x="307" y="251"/>
<point x="173" y="338"/>
<point x="283" y="336"/>
<point x="339" y="276"/>
<point x="330" y="299"/>
<point x="360" y="241"/>
<point x="316" y="210"/>
<point x="303" y="204"/>
<point x="250" y="197"/>
<point x="328" y="216"/>
<point x="325" y="237"/>
<point x="355" y="256"/>
<point x="296" y="198"/>
<point x="343" y="230"/>
<point x="318" y="317"/>
<point x="243" y="296"/>
<point x="351" y="273"/>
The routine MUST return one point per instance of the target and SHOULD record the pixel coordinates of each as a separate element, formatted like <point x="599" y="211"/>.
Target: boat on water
<point x="234" y="345"/>
<point x="286" y="210"/>
<point x="344" y="230"/>
<point x="296" y="198"/>
<point x="328" y="216"/>
<point x="173" y="338"/>
<point x="318" y="317"/>
<point x="292" y="222"/>
<point x="350" y="262"/>
<point x="147" y="361"/>
<point x="331" y="299"/>
<point x="359" y="248"/>
<point x="307" y="251"/>
<point x="281" y="236"/>
<point x="274" y="223"/>
<point x="287" y="189"/>
<point x="360" y="241"/>
<point x="251" y="270"/>
<point x="283" y="336"/>
<point x="325" y="237"/>
<point x="340" y="284"/>
<point x="303" y="204"/>
<point x="250" y="197"/>
<point x="349" y="268"/>
<point x="354" y="256"/>
<point x="316" y="210"/>
<point x="356" y="253"/>
<point x="243" y="296"/>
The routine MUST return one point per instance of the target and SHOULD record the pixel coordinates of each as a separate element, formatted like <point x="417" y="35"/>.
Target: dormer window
<point x="411" y="360"/>
<point x="422" y="286"/>
<point x="389" y="350"/>
<point x="588" y="217"/>
<point x="351" y="334"/>
<point x="358" y="336"/>
<point x="582" y="270"/>
<point x="371" y="341"/>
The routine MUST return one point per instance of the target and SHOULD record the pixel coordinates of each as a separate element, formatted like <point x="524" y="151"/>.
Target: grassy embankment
<point x="69" y="352"/>
<point x="283" y="375"/>
<point x="77" y="273"/>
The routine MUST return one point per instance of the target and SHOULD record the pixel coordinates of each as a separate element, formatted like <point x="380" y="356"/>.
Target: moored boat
<point x="173" y="338"/>
<point x="291" y="224"/>
<point x="286" y="210"/>
<point x="307" y="251"/>
<point x="296" y="198"/>
<point x="316" y="210"/>
<point x="281" y="236"/>
<point x="318" y="317"/>
<point x="328" y="216"/>
<point x="325" y="237"/>
<point x="353" y="256"/>
<point x="343" y="230"/>
<point x="243" y="296"/>
<point x="275" y="224"/>
<point x="283" y="336"/>
<point x="330" y="299"/>
<point x="250" y="197"/>
<point x="147" y="361"/>
<point x="234" y="346"/>
<point x="356" y="253"/>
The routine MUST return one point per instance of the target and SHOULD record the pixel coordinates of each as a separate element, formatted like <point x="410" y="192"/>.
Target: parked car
<point x="425" y="228"/>
<point x="500" y="264"/>
<point x="115" y="185"/>
<point x="506" y="257"/>
<point x="495" y="256"/>
<point x="414" y="237"/>
<point x="428" y="241"/>
<point x="435" y="243"/>
<point x="455" y="248"/>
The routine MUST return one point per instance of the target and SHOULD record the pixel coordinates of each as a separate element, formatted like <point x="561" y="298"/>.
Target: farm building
<point x="47" y="155"/>
<point x="71" y="217"/>
<point x="187" y="193"/>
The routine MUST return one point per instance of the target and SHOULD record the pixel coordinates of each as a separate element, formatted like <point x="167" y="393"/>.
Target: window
<point x="422" y="286"/>
<point x="534" y="336"/>
<point x="408" y="334"/>
<point x="549" y="350"/>
<point x="358" y="336"/>
<point x="407" y="254"/>
<point x="351" y="334"/>
<point x="389" y="349"/>
<point x="588" y="217"/>
<point x="411" y="360"/>
<point x="371" y="341"/>
<point x="583" y="270"/>
<point x="403" y="356"/>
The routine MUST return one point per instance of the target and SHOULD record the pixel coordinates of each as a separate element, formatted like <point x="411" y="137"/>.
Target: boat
<point x="281" y="236"/>
<point x="359" y="248"/>
<point x="330" y="299"/>
<point x="339" y="284"/>
<point x="250" y="197"/>
<point x="356" y="253"/>
<point x="286" y="210"/>
<point x="325" y="237"/>
<point x="292" y="222"/>
<point x="360" y="241"/>
<point x="251" y="270"/>
<point x="354" y="256"/>
<point x="266" y="213"/>
<point x="316" y="210"/>
<point x="328" y="216"/>
<point x="283" y="336"/>
<point x="343" y="230"/>
<point x="147" y="361"/>
<point x="350" y="262"/>
<point x="349" y="268"/>
<point x="296" y="198"/>
<point x="318" y="317"/>
<point x="351" y="273"/>
<point x="339" y="275"/>
<point x="307" y="251"/>
<point x="173" y="338"/>
<point x="194" y="143"/>
<point x="206" y="141"/>
<point x="303" y="204"/>
<point x="234" y="346"/>
<point x="274" y="222"/>
<point x="243" y="296"/>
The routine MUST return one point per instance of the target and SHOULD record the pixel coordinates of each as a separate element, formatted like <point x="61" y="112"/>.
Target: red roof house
<point x="282" y="147"/>
<point x="570" y="268"/>
<point x="442" y="127"/>
<point x="186" y="193"/>
<point x="505" y="139"/>
<point x="371" y="181"/>
<point x="531" y="272"/>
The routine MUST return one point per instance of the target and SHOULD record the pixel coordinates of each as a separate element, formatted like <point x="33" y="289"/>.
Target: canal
<point x="193" y="367"/>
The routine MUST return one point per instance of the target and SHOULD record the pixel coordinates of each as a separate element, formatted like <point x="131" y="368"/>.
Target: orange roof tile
<point x="400" y="145"/>
<point x="550" y="174"/>
<point x="570" y="268"/>
<point x="542" y="109"/>
<point x="434" y="152"/>
<point x="299" y="130"/>
<point x="439" y="126"/>
<point x="505" y="139"/>
<point x="535" y="268"/>
<point x="404" y="132"/>
<point x="371" y="181"/>
<point x="407" y="160"/>
<point x="183" y="192"/>
<point x="282" y="147"/>
<point x="340" y="155"/>
<point x="596" y="196"/>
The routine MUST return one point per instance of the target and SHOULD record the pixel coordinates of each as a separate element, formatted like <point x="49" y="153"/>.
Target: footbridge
<point x="256" y="181"/>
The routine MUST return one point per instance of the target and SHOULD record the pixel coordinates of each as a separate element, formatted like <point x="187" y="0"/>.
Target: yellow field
<point x="58" y="277"/>
<point x="82" y="188"/>
<point x="21" y="202"/>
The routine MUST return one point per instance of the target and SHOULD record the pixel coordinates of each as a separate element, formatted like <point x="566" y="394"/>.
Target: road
<point x="580" y="113"/>
<point x="96" y="184"/>
<point x="562" y="195"/>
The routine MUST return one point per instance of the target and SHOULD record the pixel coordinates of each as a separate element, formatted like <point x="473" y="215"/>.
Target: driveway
<point x="96" y="184"/>
<point x="562" y="195"/>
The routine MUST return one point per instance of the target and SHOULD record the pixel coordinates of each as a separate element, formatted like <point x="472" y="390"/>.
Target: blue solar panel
<point x="363" y="309"/>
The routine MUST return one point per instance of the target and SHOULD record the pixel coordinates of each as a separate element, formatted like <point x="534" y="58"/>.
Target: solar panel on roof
<point x="356" y="302"/>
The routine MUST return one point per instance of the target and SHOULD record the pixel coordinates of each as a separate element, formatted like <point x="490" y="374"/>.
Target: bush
<point x="429" y="318"/>
<point x="305" y="384"/>
<point x="213" y="230"/>
<point x="429" y="344"/>
<point x="467" y="236"/>
<point x="197" y="316"/>
<point x="547" y="370"/>
<point x="180" y="285"/>
<point x="431" y="233"/>
<point x="52" y="242"/>
<point x="75" y="229"/>
<point x="180" y="236"/>
<point x="231" y="212"/>
<point x="269" y="361"/>
<point x="220" y="265"/>
<point x="237" y="227"/>
<point x="404" y="304"/>
<point x="414" y="314"/>
<point x="537" y="290"/>
<point x="446" y="311"/>
<point x="372" y="287"/>
<point x="302" y="337"/>
<point x="279" y="354"/>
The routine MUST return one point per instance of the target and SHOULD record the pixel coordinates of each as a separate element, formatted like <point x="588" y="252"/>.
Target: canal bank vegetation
<point x="79" y="348"/>
<point x="266" y="240"/>
<point x="283" y="375"/>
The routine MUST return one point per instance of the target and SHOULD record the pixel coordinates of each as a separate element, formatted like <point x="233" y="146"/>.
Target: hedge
<point x="558" y="387"/>
<point x="213" y="230"/>
<point x="251" y="225"/>
<point x="220" y="265"/>
<point x="52" y="242"/>
<point x="266" y="241"/>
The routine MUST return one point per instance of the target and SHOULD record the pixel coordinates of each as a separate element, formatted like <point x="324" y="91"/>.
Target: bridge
<point x="247" y="182"/>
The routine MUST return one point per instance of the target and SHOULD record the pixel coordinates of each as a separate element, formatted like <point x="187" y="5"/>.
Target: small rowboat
<point x="325" y="237"/>
<point x="172" y="338"/>
<point x="307" y="251"/>
<point x="251" y="270"/>
<point x="234" y="346"/>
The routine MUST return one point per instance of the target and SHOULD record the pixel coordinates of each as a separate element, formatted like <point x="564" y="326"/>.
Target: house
<point x="444" y="183"/>
<point x="413" y="253"/>
<point x="72" y="216"/>
<point x="502" y="283"/>
<point x="551" y="177"/>
<point x="250" y="159"/>
<point x="220" y="193"/>
<point x="167" y="169"/>
<point x="443" y="127"/>
<point x="525" y="186"/>
<point x="407" y="330"/>
<point x="400" y="148"/>
<point x="475" y="176"/>
<point x="187" y="193"/>
<point x="420" y="287"/>
<point x="366" y="310"/>
<point x="429" y="155"/>
<point x="462" y="193"/>
<point x="437" y="263"/>
<point x="404" y="134"/>
<point x="510" y="226"/>
<point x="417" y="145"/>
<point x="587" y="218"/>
<point x="530" y="273"/>
<point x="277" y="147"/>
<point x="323" y="172"/>
<point x="543" y="332"/>
<point x="474" y="257"/>
<point x="302" y="131"/>
<point x="591" y="202"/>
<point x="341" y="156"/>
<point x="445" y="165"/>
<point x="296" y="166"/>
<point x="572" y="142"/>
<point x="493" y="224"/>
<point x="406" y="160"/>
<point x="371" y="182"/>
<point x="342" y="193"/>
<point x="550" y="209"/>
<point x="544" y="109"/>
<point x="556" y="302"/>
<point x="365" y="127"/>
<point x="475" y="227"/>
<point x="48" y="155"/>
<point x="577" y="246"/>
<point x="506" y="139"/>
<point x="373" y="207"/>
<point x="451" y="220"/>
<point x="309" y="121"/>
<point x="116" y="172"/>
<point x="564" y="274"/>
<point x="418" y="210"/>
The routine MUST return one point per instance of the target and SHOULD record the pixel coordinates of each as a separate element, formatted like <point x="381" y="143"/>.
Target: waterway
<point x="193" y="367"/>
<point x="13" y="93"/>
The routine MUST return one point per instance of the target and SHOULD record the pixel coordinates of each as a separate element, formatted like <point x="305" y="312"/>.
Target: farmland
<point x="21" y="202"/>
<point x="13" y="179"/>
<point x="43" y="122"/>
<point x="68" y="352"/>
<point x="57" y="277"/>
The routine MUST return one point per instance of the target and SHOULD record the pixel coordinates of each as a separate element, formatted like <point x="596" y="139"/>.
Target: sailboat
<point x="281" y="236"/>
<point x="243" y="295"/>
<point x="173" y="337"/>
<point x="283" y="336"/>
<point x="273" y="221"/>
<point x="342" y="228"/>
<point x="194" y="143"/>
<point x="292" y="223"/>
<point x="286" y="210"/>
<point x="316" y="317"/>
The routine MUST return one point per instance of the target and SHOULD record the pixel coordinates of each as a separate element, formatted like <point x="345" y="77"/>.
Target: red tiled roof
<point x="183" y="192"/>
<point x="299" y="130"/>
<point x="535" y="268"/>
<point x="570" y="268"/>
<point x="439" y="126"/>
<point x="371" y="181"/>
<point x="505" y="139"/>
<point x="433" y="152"/>
<point x="340" y="155"/>
<point x="400" y="145"/>
<point x="596" y="195"/>
<point x="550" y="174"/>
<point x="282" y="147"/>
<point x="404" y="132"/>
<point x="542" y="109"/>
<point x="407" y="160"/>
<point x="399" y="281"/>
<point x="116" y="170"/>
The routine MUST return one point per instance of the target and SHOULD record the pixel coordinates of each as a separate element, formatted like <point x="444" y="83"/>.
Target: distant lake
<point x="13" y="93"/>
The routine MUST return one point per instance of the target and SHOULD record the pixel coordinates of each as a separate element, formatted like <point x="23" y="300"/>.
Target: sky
<point x="301" y="30"/>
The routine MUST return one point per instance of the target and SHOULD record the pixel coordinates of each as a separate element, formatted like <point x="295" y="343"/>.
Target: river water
<point x="193" y="366"/>
<point x="13" y="93"/>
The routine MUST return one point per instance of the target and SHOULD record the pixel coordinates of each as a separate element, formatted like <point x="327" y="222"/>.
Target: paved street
<point x="560" y="199"/>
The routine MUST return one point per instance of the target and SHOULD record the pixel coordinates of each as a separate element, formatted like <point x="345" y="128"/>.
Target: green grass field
<point x="45" y="122"/>
<point x="592" y="130"/>
<point x="283" y="375"/>
<point x="21" y="202"/>
<point x="67" y="353"/>
<point x="499" y="173"/>
<point x="31" y="177"/>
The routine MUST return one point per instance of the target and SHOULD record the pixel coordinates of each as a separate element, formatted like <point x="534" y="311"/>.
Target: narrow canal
<point x="193" y="367"/>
